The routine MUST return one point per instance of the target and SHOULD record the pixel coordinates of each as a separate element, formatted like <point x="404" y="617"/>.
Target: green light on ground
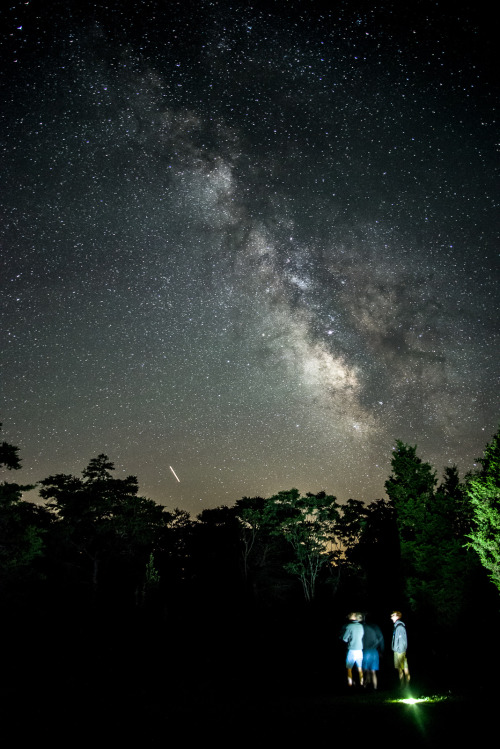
<point x="418" y="700"/>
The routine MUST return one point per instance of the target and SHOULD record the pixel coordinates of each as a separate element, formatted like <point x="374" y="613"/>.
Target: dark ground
<point x="100" y="684"/>
<point x="101" y="714"/>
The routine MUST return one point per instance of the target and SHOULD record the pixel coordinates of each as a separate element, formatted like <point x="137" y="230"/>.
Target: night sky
<point x="255" y="242"/>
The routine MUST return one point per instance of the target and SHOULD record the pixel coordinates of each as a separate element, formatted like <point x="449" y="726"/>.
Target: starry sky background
<point x="256" y="242"/>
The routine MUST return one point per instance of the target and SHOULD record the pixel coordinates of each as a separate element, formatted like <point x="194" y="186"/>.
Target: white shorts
<point x="354" y="657"/>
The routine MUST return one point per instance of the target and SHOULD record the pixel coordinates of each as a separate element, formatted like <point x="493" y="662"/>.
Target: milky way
<point x="255" y="242"/>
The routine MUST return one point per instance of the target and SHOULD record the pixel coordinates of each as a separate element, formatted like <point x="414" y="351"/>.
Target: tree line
<point x="95" y="542"/>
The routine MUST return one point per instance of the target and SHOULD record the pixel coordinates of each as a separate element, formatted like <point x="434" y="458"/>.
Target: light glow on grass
<point x="418" y="700"/>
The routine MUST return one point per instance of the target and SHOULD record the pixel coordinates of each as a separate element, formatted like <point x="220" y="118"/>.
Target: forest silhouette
<point x="124" y="621"/>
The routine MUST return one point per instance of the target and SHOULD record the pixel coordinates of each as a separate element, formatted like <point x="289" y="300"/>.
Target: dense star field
<point x="255" y="242"/>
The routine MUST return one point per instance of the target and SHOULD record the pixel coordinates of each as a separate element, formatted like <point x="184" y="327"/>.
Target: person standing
<point x="353" y="636"/>
<point x="399" y="647"/>
<point x="373" y="647"/>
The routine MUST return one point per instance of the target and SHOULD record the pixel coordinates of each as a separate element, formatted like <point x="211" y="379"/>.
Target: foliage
<point x="430" y="525"/>
<point x="9" y="455"/>
<point x="375" y="555"/>
<point x="308" y="523"/>
<point x="213" y="563"/>
<point x="94" y="531"/>
<point x="102" y="519"/>
<point x="483" y="494"/>
<point x="173" y="547"/>
<point x="20" y="532"/>
<point x="152" y="575"/>
<point x="322" y="535"/>
<point x="21" y="535"/>
<point x="264" y="553"/>
<point x="151" y="581"/>
<point x="21" y="526"/>
<point x="252" y="518"/>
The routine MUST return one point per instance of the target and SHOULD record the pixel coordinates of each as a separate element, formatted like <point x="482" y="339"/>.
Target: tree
<point x="22" y="528"/>
<point x="308" y="524"/>
<point x="101" y="520"/>
<point x="483" y="493"/>
<point x="430" y="526"/>
<point x="264" y="552"/>
<point x="377" y="555"/>
<point x="9" y="456"/>
<point x="215" y="554"/>
<point x="173" y="546"/>
<point x="22" y="525"/>
<point x="411" y="489"/>
<point x="250" y="514"/>
<point x="151" y="582"/>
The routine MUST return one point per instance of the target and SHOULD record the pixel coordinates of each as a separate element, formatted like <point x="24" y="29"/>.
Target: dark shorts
<point x="370" y="659"/>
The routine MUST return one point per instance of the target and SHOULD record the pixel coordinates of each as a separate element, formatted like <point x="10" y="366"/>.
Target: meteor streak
<point x="176" y="476"/>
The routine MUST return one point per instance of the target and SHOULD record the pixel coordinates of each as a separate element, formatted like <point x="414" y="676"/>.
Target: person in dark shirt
<point x="373" y="647"/>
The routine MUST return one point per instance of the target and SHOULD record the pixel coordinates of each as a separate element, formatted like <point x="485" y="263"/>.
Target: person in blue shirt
<point x="399" y="647"/>
<point x="353" y="636"/>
